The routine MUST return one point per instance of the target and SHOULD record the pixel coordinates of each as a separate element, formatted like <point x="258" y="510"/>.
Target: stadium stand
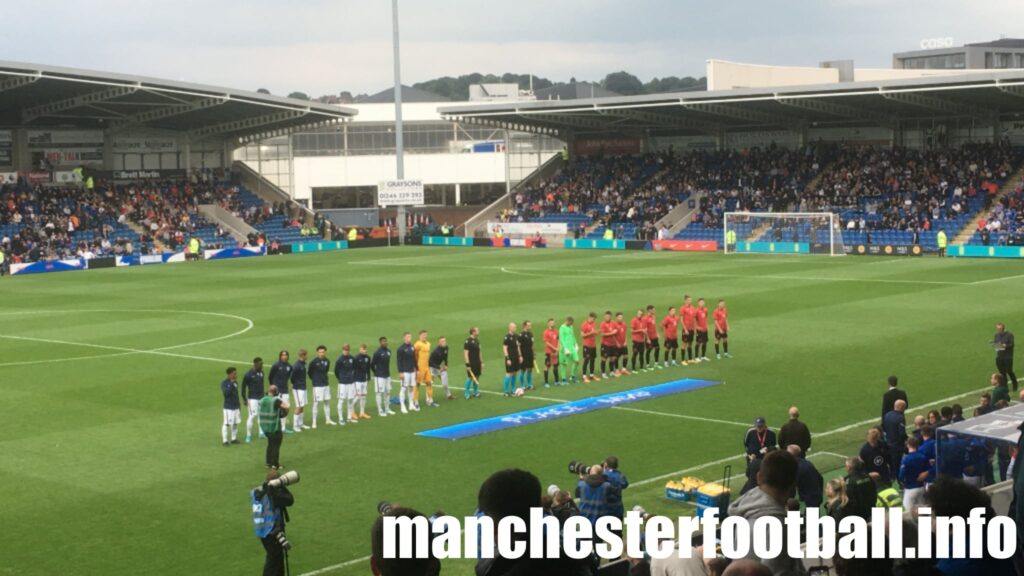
<point x="49" y="223"/>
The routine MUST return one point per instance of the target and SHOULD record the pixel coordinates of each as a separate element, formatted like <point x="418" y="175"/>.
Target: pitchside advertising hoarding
<point x="527" y="228"/>
<point x="884" y="250"/>
<point x="400" y="193"/>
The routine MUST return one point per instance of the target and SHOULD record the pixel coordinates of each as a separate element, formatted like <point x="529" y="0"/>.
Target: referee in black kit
<point x="1003" y="343"/>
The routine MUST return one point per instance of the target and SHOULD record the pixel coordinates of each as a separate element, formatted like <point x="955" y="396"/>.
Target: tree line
<point x="457" y="88"/>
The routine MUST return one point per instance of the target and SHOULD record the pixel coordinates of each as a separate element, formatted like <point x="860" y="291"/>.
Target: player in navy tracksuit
<point x="252" y="390"/>
<point x="280" y="376"/>
<point x="345" y="372"/>
<point x="362" y="378"/>
<point x="319" y="368"/>
<point x="405" y="360"/>
<point x="232" y="407"/>
<point x="299" y="389"/>
<point x="380" y="364"/>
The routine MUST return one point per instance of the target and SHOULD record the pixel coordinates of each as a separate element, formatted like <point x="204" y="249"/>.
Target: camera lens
<point x="384" y="507"/>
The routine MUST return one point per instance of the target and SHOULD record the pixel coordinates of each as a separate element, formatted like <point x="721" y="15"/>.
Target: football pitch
<point x="112" y="408"/>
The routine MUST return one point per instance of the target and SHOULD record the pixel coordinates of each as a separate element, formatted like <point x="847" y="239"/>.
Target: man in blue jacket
<point x="913" y="473"/>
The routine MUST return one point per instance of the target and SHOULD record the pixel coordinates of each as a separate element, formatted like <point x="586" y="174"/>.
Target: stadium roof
<point x="47" y="96"/>
<point x="409" y="95"/>
<point x="981" y="95"/>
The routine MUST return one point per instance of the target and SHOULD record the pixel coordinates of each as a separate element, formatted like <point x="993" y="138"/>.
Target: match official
<point x="1003" y="343"/>
<point x="474" y="363"/>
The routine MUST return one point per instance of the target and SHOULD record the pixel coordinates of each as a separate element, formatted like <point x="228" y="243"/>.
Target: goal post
<point x="782" y="233"/>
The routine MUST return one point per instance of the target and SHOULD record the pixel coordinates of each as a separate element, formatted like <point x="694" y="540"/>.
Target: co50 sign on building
<point x="400" y="193"/>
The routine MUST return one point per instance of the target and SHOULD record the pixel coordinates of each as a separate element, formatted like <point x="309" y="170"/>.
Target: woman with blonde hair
<point x="836" y="500"/>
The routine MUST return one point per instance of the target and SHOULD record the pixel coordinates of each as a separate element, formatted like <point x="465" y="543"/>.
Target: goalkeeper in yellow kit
<point x="423" y="376"/>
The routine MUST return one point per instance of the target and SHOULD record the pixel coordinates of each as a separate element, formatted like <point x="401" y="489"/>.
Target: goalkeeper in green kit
<point x="568" y="351"/>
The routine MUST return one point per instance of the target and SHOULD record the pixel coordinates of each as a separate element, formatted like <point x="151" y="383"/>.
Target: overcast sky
<point x="325" y="46"/>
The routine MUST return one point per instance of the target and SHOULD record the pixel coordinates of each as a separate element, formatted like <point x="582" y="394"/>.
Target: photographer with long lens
<point x="270" y="502"/>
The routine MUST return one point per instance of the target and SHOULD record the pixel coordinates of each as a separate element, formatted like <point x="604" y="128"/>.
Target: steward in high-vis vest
<point x="353" y="235"/>
<point x="889" y="498"/>
<point x="3" y="262"/>
<point x="609" y="234"/>
<point x="941" y="241"/>
<point x="193" y="247"/>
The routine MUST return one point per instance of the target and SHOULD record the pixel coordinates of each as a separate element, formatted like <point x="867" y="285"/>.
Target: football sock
<point x="327" y="411"/>
<point x="444" y="382"/>
<point x="657" y="354"/>
<point x="604" y="366"/>
<point x="476" y="388"/>
<point x="284" y="423"/>
<point x="716" y="348"/>
<point x="352" y="404"/>
<point x="234" y="432"/>
<point x="556" y="373"/>
<point x="504" y="384"/>
<point x="224" y="433"/>
<point x="529" y="379"/>
<point x="546" y="372"/>
<point x="430" y="394"/>
<point x="362" y="404"/>
<point x="725" y="346"/>
<point x="469" y="381"/>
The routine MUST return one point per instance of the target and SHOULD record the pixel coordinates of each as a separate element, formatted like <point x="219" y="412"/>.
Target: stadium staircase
<point x="237" y="227"/>
<point x="757" y="233"/>
<point x="268" y="191"/>
<point x="142" y="231"/>
<point x="478" y="222"/>
<point x="970" y="230"/>
<point x="681" y="216"/>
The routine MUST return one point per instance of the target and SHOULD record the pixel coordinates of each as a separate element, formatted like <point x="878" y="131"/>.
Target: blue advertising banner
<point x="225" y="253"/>
<point x="322" y="246"/>
<point x="595" y="244"/>
<point x="974" y="251"/>
<point x="447" y="241"/>
<point x="50" y="266"/>
<point x="496" y="423"/>
<point x="774" y="247"/>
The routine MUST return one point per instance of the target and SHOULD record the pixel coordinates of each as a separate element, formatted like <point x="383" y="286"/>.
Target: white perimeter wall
<point x="314" y="172"/>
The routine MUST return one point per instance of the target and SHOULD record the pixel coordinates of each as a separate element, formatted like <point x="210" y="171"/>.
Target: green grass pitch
<point x="112" y="412"/>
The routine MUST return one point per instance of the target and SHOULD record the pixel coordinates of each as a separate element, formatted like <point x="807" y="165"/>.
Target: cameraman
<point x="596" y="494"/>
<point x="269" y="509"/>
<point x="619" y="483"/>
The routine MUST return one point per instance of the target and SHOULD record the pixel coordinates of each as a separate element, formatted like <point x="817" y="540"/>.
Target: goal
<point x="783" y="233"/>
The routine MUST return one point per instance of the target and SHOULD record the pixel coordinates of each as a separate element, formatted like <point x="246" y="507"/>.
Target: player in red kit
<point x="689" y="317"/>
<point x="638" y="326"/>
<point x="620" y="340"/>
<point x="608" y="346"/>
<point x="722" y="329"/>
<point x="702" y="331"/>
<point x="670" y="327"/>
<point x="588" y="332"/>
<point x="652" y="340"/>
<point x="550" y="352"/>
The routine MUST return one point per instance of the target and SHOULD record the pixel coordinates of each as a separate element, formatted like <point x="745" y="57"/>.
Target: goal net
<point x="783" y="233"/>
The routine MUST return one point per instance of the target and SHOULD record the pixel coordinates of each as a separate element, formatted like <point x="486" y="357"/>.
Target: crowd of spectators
<point x="51" y="223"/>
<point x="1005" y="224"/>
<point x="898" y="188"/>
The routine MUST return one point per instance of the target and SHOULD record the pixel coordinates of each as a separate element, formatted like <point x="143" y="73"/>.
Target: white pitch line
<point x="128" y="351"/>
<point x="976" y="282"/>
<point x="669" y="414"/>
<point x="640" y="273"/>
<point x="118" y="349"/>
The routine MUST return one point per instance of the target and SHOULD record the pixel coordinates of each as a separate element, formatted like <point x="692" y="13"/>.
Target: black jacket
<point x="889" y="399"/>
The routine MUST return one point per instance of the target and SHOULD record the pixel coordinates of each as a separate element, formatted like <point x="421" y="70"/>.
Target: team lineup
<point x="419" y="363"/>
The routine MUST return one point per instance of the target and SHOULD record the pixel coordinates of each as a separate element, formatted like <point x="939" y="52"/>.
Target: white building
<point x="340" y="166"/>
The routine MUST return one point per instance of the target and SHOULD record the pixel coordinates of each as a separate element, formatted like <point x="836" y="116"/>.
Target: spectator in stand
<point x="381" y="566"/>
<point x="836" y="499"/>
<point x="795" y="432"/>
<point x="953" y="498"/>
<point x="809" y="483"/>
<point x="775" y="482"/>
